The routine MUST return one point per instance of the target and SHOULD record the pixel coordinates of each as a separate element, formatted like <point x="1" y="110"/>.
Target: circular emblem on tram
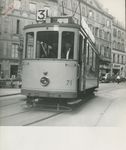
<point x="44" y="81"/>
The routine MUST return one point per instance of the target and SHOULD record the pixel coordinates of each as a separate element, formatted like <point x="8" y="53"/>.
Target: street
<point x="107" y="108"/>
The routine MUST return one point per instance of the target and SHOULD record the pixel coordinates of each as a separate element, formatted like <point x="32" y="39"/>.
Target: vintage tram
<point x="60" y="60"/>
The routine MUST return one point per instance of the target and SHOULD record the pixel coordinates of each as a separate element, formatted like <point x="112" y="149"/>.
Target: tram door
<point x="81" y="62"/>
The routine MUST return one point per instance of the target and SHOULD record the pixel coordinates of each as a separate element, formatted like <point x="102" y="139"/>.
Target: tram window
<point x="90" y="56"/>
<point x="47" y="44"/>
<point x="29" y="44"/>
<point x="67" y="47"/>
<point x="80" y="47"/>
<point x="87" y="53"/>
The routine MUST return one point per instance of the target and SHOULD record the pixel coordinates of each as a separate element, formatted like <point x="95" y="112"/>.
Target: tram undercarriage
<point x="58" y="104"/>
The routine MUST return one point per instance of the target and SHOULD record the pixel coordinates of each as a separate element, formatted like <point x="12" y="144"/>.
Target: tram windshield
<point x="47" y="44"/>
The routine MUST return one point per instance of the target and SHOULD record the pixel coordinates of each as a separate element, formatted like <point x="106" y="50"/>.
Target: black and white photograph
<point x="62" y="63"/>
<point x="62" y="74"/>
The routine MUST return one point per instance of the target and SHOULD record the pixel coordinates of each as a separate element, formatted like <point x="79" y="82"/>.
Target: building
<point x="118" y="49"/>
<point x="14" y="15"/>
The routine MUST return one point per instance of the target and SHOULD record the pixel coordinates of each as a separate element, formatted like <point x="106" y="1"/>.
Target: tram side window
<point x="80" y="47"/>
<point x="29" y="45"/>
<point x="90" y="61"/>
<point x="67" y="48"/>
<point x="47" y="44"/>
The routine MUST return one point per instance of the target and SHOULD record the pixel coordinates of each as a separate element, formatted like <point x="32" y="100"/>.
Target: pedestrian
<point x="118" y="79"/>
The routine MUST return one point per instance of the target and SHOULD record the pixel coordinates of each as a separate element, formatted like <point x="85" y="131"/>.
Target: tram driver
<point x="67" y="52"/>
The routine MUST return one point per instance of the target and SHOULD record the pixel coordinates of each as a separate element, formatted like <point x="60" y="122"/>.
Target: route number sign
<point x="42" y="14"/>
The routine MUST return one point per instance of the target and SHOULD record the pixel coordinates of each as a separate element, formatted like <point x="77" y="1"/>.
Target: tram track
<point x="14" y="94"/>
<point x="29" y="117"/>
<point x="43" y="119"/>
<point x="8" y="102"/>
<point x="14" y="114"/>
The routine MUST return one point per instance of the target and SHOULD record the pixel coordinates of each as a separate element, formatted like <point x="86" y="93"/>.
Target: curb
<point x="10" y="94"/>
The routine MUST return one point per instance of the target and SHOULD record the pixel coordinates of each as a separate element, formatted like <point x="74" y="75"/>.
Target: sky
<point x="116" y="8"/>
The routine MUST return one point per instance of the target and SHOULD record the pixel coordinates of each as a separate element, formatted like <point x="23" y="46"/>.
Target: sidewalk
<point x="9" y="91"/>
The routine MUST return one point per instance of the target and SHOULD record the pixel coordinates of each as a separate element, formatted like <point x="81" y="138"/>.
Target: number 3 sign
<point x="42" y="14"/>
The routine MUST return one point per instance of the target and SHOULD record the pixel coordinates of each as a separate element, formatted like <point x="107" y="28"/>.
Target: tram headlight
<point x="44" y="81"/>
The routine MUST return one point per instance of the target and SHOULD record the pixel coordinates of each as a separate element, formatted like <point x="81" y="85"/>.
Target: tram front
<point x="50" y="61"/>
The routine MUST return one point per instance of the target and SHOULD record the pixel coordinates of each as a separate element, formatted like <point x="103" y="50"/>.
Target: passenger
<point x="45" y="50"/>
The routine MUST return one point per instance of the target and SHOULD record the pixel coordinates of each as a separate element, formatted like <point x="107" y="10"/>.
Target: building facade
<point x="118" y="49"/>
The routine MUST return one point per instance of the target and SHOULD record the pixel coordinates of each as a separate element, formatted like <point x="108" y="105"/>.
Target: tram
<point x="60" y="60"/>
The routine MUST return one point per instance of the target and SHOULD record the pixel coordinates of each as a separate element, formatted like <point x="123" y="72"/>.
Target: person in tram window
<point x="45" y="50"/>
<point x="67" y="51"/>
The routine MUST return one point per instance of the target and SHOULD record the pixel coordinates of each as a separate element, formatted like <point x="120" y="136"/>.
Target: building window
<point x="65" y="4"/>
<point x="103" y="21"/>
<point x="119" y="34"/>
<point x="105" y="51"/>
<point x="108" y="23"/>
<point x="97" y="17"/>
<point x="96" y="31"/>
<point x="113" y="58"/>
<point x="102" y="50"/>
<point x="13" y="71"/>
<point x="118" y="58"/>
<point x="114" y="32"/>
<point x="114" y="44"/>
<point x="118" y="46"/>
<point x="122" y="36"/>
<point x="100" y="33"/>
<point x="91" y="14"/>
<point x="123" y="47"/>
<point x="108" y="36"/>
<point x="83" y="11"/>
<point x="0" y="70"/>
<point x="74" y="4"/>
<point x="17" y="4"/>
<point x="122" y="59"/>
<point x="6" y="24"/>
<point x="18" y="27"/>
<point x="105" y="35"/>
<point x="14" y="52"/>
<point x="32" y="7"/>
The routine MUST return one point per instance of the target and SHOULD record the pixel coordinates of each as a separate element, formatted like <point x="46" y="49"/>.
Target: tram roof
<point x="67" y="25"/>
